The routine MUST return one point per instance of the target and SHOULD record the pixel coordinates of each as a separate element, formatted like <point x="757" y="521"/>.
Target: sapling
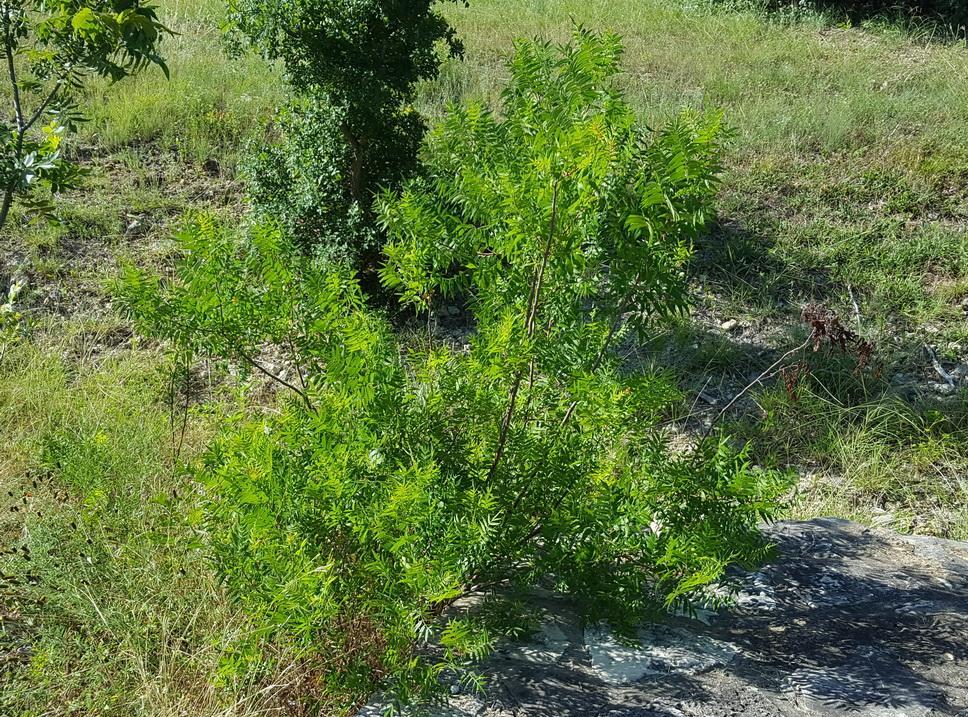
<point x="406" y="476"/>
<point x="52" y="49"/>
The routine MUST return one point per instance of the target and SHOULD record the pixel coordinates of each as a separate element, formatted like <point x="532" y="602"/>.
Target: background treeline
<point x="950" y="16"/>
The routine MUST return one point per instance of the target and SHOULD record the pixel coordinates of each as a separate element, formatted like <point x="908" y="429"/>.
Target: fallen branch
<point x="758" y="380"/>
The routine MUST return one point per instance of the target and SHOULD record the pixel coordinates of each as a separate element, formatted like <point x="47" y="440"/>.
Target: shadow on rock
<point x="847" y="621"/>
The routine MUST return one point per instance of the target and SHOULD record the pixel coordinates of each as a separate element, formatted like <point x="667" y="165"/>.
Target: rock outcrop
<point x="847" y="621"/>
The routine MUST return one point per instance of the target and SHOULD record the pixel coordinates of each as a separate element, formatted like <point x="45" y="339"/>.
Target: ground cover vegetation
<point x="844" y="185"/>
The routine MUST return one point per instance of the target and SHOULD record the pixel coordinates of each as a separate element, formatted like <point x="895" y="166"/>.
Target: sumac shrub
<point x="351" y="128"/>
<point x="405" y="476"/>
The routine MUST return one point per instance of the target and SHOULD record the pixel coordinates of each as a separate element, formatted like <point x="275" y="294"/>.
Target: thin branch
<point x="543" y="267"/>
<point x="9" y="189"/>
<point x="261" y="369"/>
<point x="171" y="412"/>
<point x="759" y="379"/>
<point x="561" y="498"/>
<point x="12" y="71"/>
<point x="255" y="364"/>
<point x="530" y="323"/>
<point x="238" y="353"/>
<point x="502" y="439"/>
<point x="188" y="398"/>
<point x="595" y="365"/>
<point x="531" y="380"/>
<point x="296" y="363"/>
<point x="43" y="107"/>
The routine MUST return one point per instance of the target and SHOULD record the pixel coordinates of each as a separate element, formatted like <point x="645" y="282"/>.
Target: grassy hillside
<point x="847" y="184"/>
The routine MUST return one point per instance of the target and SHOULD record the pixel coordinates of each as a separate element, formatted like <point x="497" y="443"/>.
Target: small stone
<point x="730" y="325"/>
<point x="453" y="310"/>
<point x="949" y="657"/>
<point x="943" y="389"/>
<point x="884" y="519"/>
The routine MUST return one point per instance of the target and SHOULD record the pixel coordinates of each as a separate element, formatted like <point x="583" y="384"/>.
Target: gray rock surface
<point x="847" y="621"/>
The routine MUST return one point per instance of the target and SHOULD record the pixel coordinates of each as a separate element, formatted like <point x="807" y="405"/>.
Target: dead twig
<point x="947" y="377"/>
<point x="850" y="292"/>
<point x="757" y="381"/>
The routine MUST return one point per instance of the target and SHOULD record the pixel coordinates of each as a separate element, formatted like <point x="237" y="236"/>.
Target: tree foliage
<point x="51" y="48"/>
<point x="351" y="129"/>
<point x="358" y="52"/>
<point x="407" y="476"/>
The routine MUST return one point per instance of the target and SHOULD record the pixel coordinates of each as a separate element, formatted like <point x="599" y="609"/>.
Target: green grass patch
<point x="210" y="108"/>
<point x="880" y="460"/>
<point x="795" y="88"/>
<point x="108" y="603"/>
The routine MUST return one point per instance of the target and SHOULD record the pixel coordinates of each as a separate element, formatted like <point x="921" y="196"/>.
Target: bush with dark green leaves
<point x="351" y="129"/>
<point x="946" y="12"/>
<point x="52" y="48"/>
<point x="405" y="476"/>
<point x="950" y="15"/>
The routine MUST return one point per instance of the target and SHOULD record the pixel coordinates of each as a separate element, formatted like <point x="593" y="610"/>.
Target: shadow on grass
<point x="742" y="267"/>
<point x="944" y="16"/>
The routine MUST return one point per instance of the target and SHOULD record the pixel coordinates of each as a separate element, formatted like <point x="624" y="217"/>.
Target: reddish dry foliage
<point x="826" y="327"/>
<point x="792" y="376"/>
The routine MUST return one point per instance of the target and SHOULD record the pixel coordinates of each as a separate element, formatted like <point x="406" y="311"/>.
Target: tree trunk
<point x="356" y="166"/>
<point x="5" y="208"/>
